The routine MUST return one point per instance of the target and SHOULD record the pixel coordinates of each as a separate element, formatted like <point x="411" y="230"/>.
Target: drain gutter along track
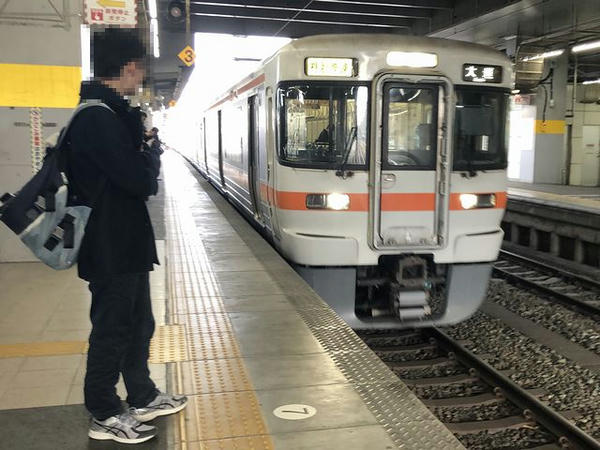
<point x="545" y="416"/>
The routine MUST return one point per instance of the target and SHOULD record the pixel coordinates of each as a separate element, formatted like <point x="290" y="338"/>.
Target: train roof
<point x="370" y="51"/>
<point x="384" y="42"/>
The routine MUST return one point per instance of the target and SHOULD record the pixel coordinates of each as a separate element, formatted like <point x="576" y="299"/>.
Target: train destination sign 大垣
<point x="480" y="73"/>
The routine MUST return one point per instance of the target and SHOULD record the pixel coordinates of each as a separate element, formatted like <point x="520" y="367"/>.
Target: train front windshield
<point x="324" y="125"/>
<point x="480" y="129"/>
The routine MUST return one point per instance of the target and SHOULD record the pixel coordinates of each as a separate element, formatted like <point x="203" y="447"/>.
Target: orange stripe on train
<point x="359" y="202"/>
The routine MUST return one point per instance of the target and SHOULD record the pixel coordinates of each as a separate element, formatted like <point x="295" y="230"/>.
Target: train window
<point x="410" y="128"/>
<point x="323" y="125"/>
<point x="480" y="129"/>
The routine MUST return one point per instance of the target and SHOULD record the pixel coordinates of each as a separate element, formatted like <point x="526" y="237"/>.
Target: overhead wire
<point x="292" y="18"/>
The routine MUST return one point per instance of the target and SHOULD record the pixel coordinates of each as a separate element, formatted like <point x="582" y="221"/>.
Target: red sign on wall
<point x="111" y="12"/>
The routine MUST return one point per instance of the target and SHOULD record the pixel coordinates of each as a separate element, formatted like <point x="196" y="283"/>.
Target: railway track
<point x="569" y="289"/>
<point x="480" y="405"/>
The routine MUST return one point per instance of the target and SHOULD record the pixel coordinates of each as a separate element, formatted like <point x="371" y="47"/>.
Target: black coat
<point x="108" y="170"/>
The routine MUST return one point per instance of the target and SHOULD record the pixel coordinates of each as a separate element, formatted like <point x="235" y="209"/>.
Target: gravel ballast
<point x="532" y="365"/>
<point x="573" y="325"/>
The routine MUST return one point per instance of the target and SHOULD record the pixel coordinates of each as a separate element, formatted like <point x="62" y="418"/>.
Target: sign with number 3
<point x="187" y="56"/>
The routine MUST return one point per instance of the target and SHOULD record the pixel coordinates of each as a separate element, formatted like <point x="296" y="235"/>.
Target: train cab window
<point x="410" y="127"/>
<point x="324" y="125"/>
<point x="480" y="129"/>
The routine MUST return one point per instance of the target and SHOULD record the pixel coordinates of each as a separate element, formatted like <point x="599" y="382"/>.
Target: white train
<point x="376" y="165"/>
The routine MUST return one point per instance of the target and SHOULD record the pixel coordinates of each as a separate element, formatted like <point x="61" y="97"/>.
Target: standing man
<point x="109" y="171"/>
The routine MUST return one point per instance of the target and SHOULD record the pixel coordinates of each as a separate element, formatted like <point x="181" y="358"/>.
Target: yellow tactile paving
<point x="195" y="305"/>
<point x="43" y="349"/>
<point x="224" y="412"/>
<point x="169" y="344"/>
<point x="245" y="443"/>
<point x="212" y="345"/>
<point x="205" y="323"/>
<point x="224" y="415"/>
<point x="214" y="376"/>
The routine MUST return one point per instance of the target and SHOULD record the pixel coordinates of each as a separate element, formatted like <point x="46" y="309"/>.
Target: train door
<point x="271" y="145"/>
<point x="410" y="164"/>
<point x="253" y="156"/>
<point x="220" y="125"/>
<point x="205" y="153"/>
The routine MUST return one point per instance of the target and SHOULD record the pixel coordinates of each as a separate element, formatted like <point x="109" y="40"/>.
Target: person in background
<point x="110" y="170"/>
<point x="153" y="141"/>
<point x="324" y="135"/>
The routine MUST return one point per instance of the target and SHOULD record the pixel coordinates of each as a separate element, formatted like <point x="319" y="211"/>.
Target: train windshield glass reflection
<point x="480" y="129"/>
<point x="321" y="123"/>
<point x="410" y="129"/>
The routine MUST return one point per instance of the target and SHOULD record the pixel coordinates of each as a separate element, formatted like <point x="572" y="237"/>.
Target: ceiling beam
<point x="283" y="15"/>
<point x="295" y="29"/>
<point x="348" y="8"/>
<point x="407" y="4"/>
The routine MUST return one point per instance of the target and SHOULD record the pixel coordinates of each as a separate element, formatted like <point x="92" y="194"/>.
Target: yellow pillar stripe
<point x="32" y="85"/>
<point x="550" y="127"/>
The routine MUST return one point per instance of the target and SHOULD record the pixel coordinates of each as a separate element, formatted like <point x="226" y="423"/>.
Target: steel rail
<point x="562" y="298"/>
<point x="569" y="434"/>
<point x="593" y="284"/>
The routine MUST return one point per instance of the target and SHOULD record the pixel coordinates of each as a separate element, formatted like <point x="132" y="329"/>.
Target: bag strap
<point x="84" y="105"/>
<point x="63" y="154"/>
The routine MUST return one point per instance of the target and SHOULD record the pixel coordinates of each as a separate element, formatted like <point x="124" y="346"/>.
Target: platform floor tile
<point x="338" y="406"/>
<point x="259" y="339"/>
<point x="223" y="410"/>
<point x="288" y="371"/>
<point x="354" y="438"/>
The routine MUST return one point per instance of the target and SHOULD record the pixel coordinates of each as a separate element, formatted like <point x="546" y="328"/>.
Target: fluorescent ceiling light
<point x="550" y="54"/>
<point x="154" y="33"/>
<point x="592" y="81"/>
<point x="86" y="69"/>
<point x="152" y="8"/>
<point x="586" y="46"/>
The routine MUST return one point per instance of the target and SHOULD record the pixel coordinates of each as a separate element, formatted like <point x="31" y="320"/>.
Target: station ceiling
<point x="504" y="24"/>
<point x="296" y="18"/>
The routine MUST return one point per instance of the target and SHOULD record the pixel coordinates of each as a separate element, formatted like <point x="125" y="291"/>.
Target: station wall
<point x="40" y="71"/>
<point x="584" y="115"/>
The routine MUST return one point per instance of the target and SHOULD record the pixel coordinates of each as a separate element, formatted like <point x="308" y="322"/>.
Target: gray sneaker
<point x="122" y="428"/>
<point x="162" y="405"/>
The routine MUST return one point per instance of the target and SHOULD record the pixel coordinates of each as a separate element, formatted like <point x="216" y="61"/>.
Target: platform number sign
<point x="479" y="73"/>
<point x="187" y="56"/>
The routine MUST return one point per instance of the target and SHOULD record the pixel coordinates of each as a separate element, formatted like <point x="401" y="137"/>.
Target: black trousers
<point x="122" y="325"/>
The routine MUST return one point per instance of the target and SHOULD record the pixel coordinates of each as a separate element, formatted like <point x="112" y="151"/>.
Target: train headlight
<point x="411" y="59"/>
<point x="474" y="201"/>
<point x="338" y="201"/>
<point x="335" y="201"/>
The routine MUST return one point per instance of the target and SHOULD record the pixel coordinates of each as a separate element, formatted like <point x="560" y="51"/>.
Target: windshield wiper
<point x="470" y="168"/>
<point x="341" y="171"/>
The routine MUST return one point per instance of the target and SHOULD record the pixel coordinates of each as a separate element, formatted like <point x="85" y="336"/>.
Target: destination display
<point x="479" y="73"/>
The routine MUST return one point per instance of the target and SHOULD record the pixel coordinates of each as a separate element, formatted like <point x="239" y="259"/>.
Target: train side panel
<point x="235" y="132"/>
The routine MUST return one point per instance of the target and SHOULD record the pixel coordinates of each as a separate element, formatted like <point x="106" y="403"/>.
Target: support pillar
<point x="40" y="72"/>
<point x="551" y="102"/>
